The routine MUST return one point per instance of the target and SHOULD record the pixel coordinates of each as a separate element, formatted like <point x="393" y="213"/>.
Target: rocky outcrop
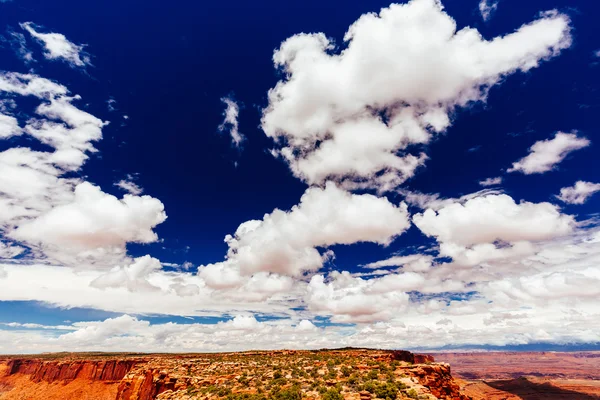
<point x="439" y="381"/>
<point x="147" y="384"/>
<point x="424" y="359"/>
<point x="407" y="356"/>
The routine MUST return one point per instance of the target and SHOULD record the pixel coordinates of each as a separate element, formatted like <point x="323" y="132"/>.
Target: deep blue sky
<point x="168" y="63"/>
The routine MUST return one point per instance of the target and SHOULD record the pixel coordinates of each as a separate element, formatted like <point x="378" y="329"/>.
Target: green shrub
<point x="369" y="387"/>
<point x="353" y="379"/>
<point x="386" y="391"/>
<point x="373" y="374"/>
<point x="291" y="393"/>
<point x="223" y="391"/>
<point x="332" y="394"/>
<point x="246" y="396"/>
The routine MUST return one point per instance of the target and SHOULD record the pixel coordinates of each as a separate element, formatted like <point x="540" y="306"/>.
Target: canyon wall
<point x="31" y="378"/>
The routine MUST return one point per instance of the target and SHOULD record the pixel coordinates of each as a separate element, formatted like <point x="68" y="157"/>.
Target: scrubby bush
<point x="291" y="393"/>
<point x="353" y="379"/>
<point x="373" y="374"/>
<point x="223" y="391"/>
<point x="246" y="396"/>
<point x="332" y="394"/>
<point x="386" y="391"/>
<point x="346" y="371"/>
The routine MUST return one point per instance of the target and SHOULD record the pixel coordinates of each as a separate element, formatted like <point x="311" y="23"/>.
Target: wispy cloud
<point x="491" y="181"/>
<point x="230" y="122"/>
<point x="58" y="47"/>
<point x="545" y="155"/>
<point x="130" y="186"/>
<point x="487" y="8"/>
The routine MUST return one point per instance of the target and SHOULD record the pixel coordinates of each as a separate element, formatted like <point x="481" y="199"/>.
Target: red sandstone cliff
<point x="51" y="371"/>
<point x="32" y="379"/>
<point x="437" y="378"/>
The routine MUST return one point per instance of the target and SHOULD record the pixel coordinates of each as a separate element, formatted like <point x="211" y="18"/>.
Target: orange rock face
<point x="52" y="371"/>
<point x="437" y="378"/>
<point x="34" y="378"/>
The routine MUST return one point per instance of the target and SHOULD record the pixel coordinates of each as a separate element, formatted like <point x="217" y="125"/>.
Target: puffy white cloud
<point x="64" y="219"/>
<point x="134" y="277"/>
<point x="357" y="116"/>
<point x="10" y="250"/>
<point x="579" y="193"/>
<point x="231" y="114"/>
<point x="126" y="332"/>
<point x="350" y="299"/>
<point x="486" y="252"/>
<point x="92" y="332"/>
<point x="508" y="254"/>
<point x="285" y="242"/>
<point x="491" y="181"/>
<point x="9" y="126"/>
<point x="544" y="155"/>
<point x="93" y="220"/>
<point x="487" y="8"/>
<point x="57" y="46"/>
<point x="129" y="289"/>
<point x="494" y="218"/>
<point x="558" y="284"/>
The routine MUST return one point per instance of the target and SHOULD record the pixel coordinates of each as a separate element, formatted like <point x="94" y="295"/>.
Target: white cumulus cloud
<point x="134" y="277"/>
<point x="494" y="218"/>
<point x="65" y="219"/>
<point x="358" y="116"/>
<point x="286" y="242"/>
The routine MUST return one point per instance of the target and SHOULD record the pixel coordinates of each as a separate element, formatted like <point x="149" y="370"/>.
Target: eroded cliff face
<point x="356" y="374"/>
<point x="52" y="371"/>
<point x="31" y="378"/>
<point x="438" y="379"/>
